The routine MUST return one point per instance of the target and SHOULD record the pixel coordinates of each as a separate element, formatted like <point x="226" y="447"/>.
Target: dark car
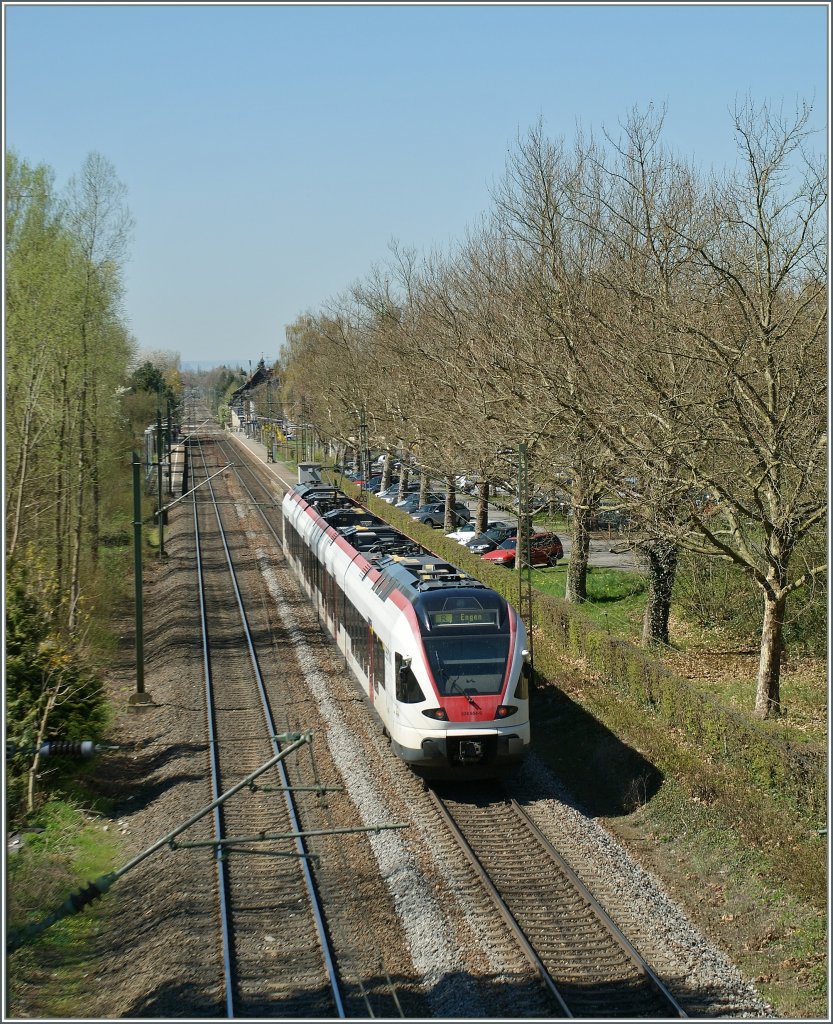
<point x="434" y="514"/>
<point x="412" y="502"/>
<point x="374" y="483"/>
<point x="612" y="519"/>
<point x="545" y="549"/>
<point x="496" y="534"/>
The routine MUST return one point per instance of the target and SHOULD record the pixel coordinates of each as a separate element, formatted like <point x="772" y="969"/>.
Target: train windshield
<point x="466" y="665"/>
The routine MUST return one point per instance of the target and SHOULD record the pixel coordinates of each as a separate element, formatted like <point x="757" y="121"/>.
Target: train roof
<point x="403" y="564"/>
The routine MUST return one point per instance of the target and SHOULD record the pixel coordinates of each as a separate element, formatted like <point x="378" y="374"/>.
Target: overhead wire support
<point x="524" y="547"/>
<point x="76" y="901"/>
<point x="196" y="486"/>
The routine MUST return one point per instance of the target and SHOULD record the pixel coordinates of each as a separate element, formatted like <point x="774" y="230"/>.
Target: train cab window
<point x="468" y="665"/>
<point x="407" y="688"/>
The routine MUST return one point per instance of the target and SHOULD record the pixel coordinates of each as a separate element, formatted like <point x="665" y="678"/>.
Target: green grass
<point x="615" y="599"/>
<point x="726" y="667"/>
<point x="717" y="660"/>
<point x="71" y="850"/>
<point x="730" y="886"/>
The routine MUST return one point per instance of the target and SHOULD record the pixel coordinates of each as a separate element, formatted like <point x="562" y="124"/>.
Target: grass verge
<point x="51" y="976"/>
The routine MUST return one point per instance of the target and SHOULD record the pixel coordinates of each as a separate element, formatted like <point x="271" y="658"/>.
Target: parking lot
<point x="607" y="550"/>
<point x="608" y="547"/>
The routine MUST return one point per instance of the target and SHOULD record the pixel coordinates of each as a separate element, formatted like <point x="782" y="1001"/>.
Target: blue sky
<point x="271" y="152"/>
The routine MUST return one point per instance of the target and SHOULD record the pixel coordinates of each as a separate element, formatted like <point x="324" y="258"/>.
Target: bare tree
<point x="640" y="202"/>
<point x="557" y="253"/>
<point x="738" y="408"/>
<point x="763" y="331"/>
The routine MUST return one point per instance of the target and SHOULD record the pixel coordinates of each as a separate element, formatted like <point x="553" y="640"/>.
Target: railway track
<point x="281" y="913"/>
<point x="257" y="895"/>
<point x="583" y="959"/>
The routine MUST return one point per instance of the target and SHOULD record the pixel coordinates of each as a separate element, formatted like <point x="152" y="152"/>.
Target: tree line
<point x="649" y="330"/>
<point x="67" y="355"/>
<point x="76" y="400"/>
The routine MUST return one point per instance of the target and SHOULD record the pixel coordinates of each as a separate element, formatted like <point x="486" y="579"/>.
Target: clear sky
<point x="271" y="152"/>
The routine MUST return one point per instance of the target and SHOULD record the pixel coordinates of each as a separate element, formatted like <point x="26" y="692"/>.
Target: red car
<point x="545" y="549"/>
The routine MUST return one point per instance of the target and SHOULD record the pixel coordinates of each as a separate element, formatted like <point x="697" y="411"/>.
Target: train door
<point x="377" y="667"/>
<point x="331" y="602"/>
<point x="393" y="705"/>
<point x="372" y="686"/>
<point x="383" y="685"/>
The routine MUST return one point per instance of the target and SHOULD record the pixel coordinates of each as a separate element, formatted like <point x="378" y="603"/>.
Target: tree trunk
<point x="387" y="471"/>
<point x="768" y="687"/>
<point x="662" y="571"/>
<point x="404" y="477"/>
<point x="62" y="483"/>
<point x="80" y="503"/>
<point x="21" y="479"/>
<point x="75" y="554"/>
<point x="576" y="588"/>
<point x="17" y="482"/>
<point x="450" y="501"/>
<point x="482" y="515"/>
<point x="95" y="482"/>
<point x="424" y="484"/>
<point x="51" y="700"/>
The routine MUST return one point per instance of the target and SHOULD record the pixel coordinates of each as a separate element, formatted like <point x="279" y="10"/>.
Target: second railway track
<point x="292" y="946"/>
<point x="267" y="888"/>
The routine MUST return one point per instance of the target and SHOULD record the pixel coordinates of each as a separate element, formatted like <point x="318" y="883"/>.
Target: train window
<point x="522" y="685"/>
<point x="468" y="664"/>
<point x="407" y="688"/>
<point x="359" y="632"/>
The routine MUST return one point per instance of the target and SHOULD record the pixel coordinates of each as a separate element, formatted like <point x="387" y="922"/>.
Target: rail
<point x="583" y="959"/>
<point x="298" y="837"/>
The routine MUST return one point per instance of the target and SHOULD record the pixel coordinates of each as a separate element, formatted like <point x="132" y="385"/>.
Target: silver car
<point x="434" y="514"/>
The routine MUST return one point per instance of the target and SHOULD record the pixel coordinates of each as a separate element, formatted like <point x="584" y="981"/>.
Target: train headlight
<point x="437" y="713"/>
<point x="505" y="710"/>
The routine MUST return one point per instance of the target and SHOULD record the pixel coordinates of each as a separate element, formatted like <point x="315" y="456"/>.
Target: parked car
<point x="463" y="533"/>
<point x="434" y="513"/>
<point x="496" y="534"/>
<point x="545" y="549"/>
<point x="612" y="519"/>
<point x="374" y="483"/>
<point x="391" y="495"/>
<point x="412" y="502"/>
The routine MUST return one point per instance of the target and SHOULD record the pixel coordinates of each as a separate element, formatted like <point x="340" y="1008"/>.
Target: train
<point x="440" y="657"/>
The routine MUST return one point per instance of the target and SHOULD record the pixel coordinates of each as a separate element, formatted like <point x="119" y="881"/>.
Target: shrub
<point x="50" y="690"/>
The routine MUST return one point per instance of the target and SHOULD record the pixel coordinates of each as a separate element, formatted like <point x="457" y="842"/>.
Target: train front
<point x="463" y="695"/>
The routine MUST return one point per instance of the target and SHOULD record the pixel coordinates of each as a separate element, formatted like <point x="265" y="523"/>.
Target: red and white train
<point x="440" y="656"/>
